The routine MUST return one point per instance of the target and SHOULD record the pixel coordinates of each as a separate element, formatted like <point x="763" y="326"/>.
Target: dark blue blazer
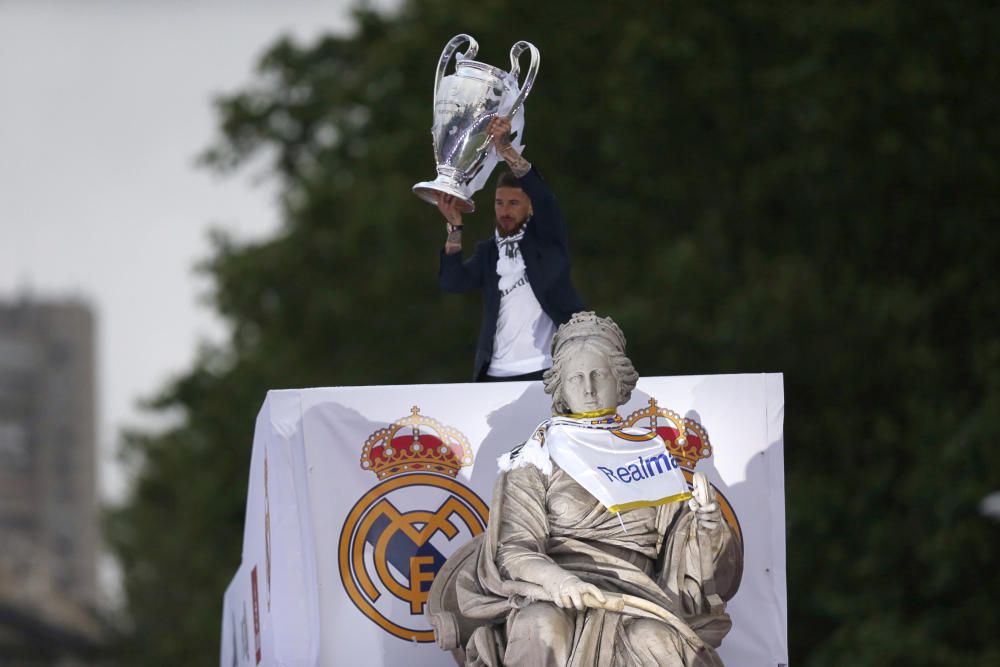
<point x="545" y="249"/>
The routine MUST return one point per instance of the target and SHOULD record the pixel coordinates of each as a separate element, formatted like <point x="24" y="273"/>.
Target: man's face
<point x="588" y="383"/>
<point x="512" y="207"/>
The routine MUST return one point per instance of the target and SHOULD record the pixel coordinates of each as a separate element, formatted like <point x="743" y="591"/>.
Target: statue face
<point x="588" y="383"/>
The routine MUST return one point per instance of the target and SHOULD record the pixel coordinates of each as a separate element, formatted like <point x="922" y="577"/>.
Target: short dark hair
<point x="508" y="180"/>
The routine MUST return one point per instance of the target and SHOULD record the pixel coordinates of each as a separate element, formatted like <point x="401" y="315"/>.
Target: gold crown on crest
<point x="686" y="439"/>
<point x="416" y="444"/>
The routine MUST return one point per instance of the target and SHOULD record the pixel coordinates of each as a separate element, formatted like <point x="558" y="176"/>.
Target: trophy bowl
<point x="464" y="104"/>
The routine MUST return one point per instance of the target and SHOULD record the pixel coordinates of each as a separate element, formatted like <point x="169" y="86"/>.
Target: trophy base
<point x="427" y="190"/>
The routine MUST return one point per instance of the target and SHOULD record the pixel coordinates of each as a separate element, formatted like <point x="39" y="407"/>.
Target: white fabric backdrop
<point x="310" y="500"/>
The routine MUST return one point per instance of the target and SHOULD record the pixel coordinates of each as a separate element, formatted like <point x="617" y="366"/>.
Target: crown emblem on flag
<point x="686" y="439"/>
<point x="416" y="443"/>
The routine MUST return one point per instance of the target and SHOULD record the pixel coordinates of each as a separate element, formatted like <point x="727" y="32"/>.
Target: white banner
<point x="240" y="622"/>
<point x="358" y="495"/>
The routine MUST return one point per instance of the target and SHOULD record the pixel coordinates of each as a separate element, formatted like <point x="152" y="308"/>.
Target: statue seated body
<point x="557" y="578"/>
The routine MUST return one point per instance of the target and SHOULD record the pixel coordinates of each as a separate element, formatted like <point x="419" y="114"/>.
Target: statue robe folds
<point x="481" y="600"/>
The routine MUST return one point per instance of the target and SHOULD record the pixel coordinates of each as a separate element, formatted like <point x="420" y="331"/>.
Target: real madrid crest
<point x="399" y="534"/>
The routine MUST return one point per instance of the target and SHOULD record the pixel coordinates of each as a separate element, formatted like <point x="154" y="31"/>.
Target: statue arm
<point x="698" y="562"/>
<point x="715" y="544"/>
<point x="523" y="535"/>
<point x="523" y="530"/>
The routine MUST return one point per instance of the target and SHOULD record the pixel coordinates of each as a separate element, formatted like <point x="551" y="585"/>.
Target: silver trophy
<point x="464" y="104"/>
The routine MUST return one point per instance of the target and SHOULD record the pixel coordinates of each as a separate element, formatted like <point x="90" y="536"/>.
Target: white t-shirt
<point x="523" y="340"/>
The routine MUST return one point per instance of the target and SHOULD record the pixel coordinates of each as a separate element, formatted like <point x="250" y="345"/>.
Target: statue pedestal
<point x="357" y="495"/>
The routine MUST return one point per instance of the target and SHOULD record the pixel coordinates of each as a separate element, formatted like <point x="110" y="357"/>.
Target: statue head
<point x="590" y="371"/>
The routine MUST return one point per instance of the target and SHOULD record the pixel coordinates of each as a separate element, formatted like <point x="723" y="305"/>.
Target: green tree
<point x="749" y="185"/>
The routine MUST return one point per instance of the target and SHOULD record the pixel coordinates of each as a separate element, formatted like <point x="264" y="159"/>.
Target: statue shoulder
<point x="530" y="452"/>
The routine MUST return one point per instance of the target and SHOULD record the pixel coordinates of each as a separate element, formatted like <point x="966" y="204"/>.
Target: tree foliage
<point x="750" y="186"/>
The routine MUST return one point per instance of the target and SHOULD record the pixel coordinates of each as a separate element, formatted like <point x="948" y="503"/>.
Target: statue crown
<point x="588" y="324"/>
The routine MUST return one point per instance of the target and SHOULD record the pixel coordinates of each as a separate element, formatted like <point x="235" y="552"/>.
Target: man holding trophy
<point x="523" y="272"/>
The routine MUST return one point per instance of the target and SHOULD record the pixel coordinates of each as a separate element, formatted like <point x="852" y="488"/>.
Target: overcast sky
<point x="104" y="105"/>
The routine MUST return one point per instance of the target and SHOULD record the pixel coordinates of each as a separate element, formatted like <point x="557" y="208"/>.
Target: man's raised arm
<point x="547" y="214"/>
<point x="448" y="206"/>
<point x="454" y="275"/>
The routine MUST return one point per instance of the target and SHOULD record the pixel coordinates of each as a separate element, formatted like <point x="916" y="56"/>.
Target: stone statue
<point x="558" y="579"/>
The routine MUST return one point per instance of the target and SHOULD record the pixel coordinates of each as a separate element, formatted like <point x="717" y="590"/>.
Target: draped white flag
<point x="359" y="494"/>
<point x="623" y="467"/>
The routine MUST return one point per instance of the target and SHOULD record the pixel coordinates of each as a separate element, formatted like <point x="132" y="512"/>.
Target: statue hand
<point x="703" y="504"/>
<point x="569" y="592"/>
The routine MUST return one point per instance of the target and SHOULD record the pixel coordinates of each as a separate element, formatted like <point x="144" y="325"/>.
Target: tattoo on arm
<point x="454" y="241"/>
<point x="518" y="165"/>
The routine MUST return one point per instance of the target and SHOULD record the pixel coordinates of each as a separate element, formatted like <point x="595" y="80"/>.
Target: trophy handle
<point x="449" y="50"/>
<point x="515" y="70"/>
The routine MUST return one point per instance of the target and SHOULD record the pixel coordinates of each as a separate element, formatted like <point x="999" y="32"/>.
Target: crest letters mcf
<point x="399" y="534"/>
